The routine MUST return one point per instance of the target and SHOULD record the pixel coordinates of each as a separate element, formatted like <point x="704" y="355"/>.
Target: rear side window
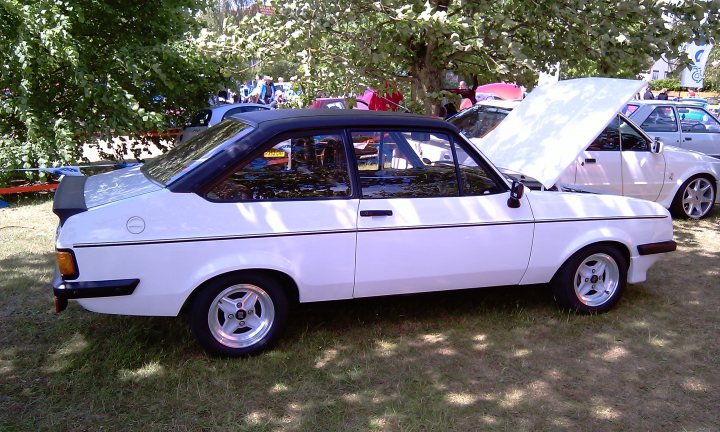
<point x="200" y="118"/>
<point x="304" y="166"/>
<point x="661" y="119"/>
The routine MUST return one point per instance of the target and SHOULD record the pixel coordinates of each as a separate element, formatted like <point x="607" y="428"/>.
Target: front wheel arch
<point x="564" y="283"/>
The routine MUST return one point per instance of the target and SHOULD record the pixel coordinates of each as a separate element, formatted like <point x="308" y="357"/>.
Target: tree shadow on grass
<point x="495" y="359"/>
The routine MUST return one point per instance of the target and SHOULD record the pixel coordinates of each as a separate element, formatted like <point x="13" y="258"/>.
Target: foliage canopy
<point x="339" y="46"/>
<point x="73" y="71"/>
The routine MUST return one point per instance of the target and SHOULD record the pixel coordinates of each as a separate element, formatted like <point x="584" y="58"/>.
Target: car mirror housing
<point x="516" y="192"/>
<point x="656" y="146"/>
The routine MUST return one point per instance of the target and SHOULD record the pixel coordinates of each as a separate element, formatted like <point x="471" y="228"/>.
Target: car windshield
<point x="183" y="158"/>
<point x="477" y="121"/>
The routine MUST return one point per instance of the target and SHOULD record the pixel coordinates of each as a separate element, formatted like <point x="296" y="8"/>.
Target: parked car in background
<point x="687" y="125"/>
<point x="328" y="103"/>
<point x="276" y="207"/>
<point x="213" y="115"/>
<point x="601" y="154"/>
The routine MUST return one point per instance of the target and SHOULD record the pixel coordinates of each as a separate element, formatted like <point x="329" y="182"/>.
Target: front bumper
<point x="65" y="290"/>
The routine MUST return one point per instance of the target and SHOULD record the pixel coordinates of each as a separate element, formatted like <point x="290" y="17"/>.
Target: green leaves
<point x="74" y="70"/>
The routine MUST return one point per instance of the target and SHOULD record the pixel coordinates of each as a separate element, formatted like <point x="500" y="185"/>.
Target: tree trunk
<point x="429" y="83"/>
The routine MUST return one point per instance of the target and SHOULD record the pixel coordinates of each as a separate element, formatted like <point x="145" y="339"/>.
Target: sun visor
<point x="554" y="124"/>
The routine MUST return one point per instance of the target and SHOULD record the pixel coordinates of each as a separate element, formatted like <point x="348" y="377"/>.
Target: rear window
<point x="183" y="158"/>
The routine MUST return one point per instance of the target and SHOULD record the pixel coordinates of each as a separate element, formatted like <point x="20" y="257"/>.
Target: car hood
<point x="554" y="124"/>
<point x="117" y="185"/>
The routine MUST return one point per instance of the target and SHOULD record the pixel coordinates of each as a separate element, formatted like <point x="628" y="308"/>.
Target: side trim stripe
<point x="360" y="230"/>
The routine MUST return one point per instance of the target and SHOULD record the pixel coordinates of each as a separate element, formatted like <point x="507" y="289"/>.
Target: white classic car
<point x="584" y="145"/>
<point x="276" y="207"/>
<point x="683" y="124"/>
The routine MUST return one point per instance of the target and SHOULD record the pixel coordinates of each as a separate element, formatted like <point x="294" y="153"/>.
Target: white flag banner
<point x="693" y="76"/>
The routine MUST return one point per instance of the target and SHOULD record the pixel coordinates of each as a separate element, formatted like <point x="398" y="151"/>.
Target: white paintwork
<point x="462" y="245"/>
<point x="117" y="185"/>
<point x="322" y="261"/>
<point x="553" y="206"/>
<point x="545" y="133"/>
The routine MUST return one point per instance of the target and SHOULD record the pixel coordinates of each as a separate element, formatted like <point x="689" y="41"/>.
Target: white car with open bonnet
<point x="599" y="149"/>
<point x="277" y="207"/>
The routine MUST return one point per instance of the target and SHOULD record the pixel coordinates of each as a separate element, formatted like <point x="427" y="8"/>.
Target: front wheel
<point x="238" y="315"/>
<point x="592" y="280"/>
<point x="695" y="198"/>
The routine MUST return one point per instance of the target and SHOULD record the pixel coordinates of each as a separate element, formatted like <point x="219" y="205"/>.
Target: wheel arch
<point x="620" y="246"/>
<point x="286" y="281"/>
<point x="675" y="202"/>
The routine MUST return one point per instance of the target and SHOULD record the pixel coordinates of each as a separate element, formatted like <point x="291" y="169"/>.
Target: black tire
<point x="239" y="315"/>
<point x="604" y="270"/>
<point x="700" y="193"/>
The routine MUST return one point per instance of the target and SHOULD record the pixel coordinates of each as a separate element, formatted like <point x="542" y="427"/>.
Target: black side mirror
<point x="516" y="192"/>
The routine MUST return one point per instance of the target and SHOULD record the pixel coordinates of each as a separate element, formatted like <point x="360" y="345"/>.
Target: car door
<point x="599" y="168"/>
<point x="700" y="130"/>
<point x="643" y="172"/>
<point x="421" y="229"/>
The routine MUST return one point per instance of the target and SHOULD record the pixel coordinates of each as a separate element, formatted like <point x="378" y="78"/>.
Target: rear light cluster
<point x="67" y="265"/>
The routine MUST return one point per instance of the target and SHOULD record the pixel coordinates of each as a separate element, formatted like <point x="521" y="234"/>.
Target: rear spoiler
<point x="70" y="197"/>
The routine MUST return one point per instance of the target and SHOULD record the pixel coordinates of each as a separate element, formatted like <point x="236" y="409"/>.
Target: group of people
<point x="264" y="92"/>
<point x="663" y="95"/>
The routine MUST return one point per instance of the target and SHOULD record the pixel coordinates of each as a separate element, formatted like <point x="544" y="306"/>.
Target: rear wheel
<point x="695" y="198"/>
<point x="592" y="280"/>
<point x="239" y="315"/>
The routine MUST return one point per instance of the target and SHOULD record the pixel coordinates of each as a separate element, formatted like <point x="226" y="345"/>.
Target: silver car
<point x="213" y="115"/>
<point x="681" y="124"/>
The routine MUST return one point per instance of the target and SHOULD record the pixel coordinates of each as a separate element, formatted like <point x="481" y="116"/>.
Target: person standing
<point x="267" y="93"/>
<point x="648" y="94"/>
<point x="663" y="94"/>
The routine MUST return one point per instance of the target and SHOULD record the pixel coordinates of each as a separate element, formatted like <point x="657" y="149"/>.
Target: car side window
<point x="401" y="164"/>
<point x="661" y="119"/>
<point x="632" y="139"/>
<point x="301" y="167"/>
<point x="609" y="138"/>
<point x="697" y="120"/>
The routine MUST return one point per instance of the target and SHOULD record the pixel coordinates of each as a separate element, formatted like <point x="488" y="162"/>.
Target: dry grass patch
<point x="496" y="359"/>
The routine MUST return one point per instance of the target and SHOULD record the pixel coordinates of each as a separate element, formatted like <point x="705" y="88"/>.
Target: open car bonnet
<point x="554" y="124"/>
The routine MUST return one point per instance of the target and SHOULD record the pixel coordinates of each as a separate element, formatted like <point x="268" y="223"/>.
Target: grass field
<point x="495" y="359"/>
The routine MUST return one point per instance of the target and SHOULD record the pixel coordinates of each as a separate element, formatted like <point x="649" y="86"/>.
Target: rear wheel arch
<point x="285" y="280"/>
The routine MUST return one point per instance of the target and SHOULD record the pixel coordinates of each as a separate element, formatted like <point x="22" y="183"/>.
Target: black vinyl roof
<point x="290" y="119"/>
